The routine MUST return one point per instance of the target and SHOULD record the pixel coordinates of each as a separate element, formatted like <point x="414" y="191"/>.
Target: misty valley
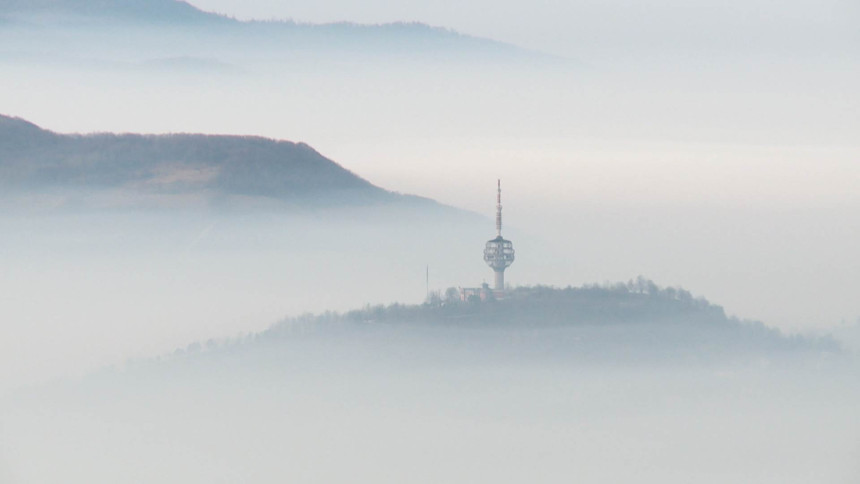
<point x="254" y="242"/>
<point x="596" y="384"/>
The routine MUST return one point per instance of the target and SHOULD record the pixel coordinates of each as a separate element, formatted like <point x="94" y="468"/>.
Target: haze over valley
<point x="242" y="241"/>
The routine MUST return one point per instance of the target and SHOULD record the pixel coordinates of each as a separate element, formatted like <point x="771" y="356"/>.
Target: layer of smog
<point x="600" y="383"/>
<point x="245" y="250"/>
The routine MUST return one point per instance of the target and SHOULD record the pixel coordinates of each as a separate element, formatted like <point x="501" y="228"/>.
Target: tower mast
<point x="499" y="208"/>
<point x="499" y="253"/>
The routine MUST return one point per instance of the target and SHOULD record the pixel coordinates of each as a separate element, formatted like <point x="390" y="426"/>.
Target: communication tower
<point x="499" y="252"/>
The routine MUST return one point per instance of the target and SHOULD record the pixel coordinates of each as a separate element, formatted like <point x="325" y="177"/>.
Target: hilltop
<point x="625" y="323"/>
<point x="185" y="167"/>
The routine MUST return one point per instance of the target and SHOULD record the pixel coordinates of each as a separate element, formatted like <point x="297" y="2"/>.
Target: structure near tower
<point x="499" y="252"/>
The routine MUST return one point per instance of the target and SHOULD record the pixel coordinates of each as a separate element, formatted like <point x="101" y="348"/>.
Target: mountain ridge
<point x="195" y="32"/>
<point x="164" y="10"/>
<point x="35" y="160"/>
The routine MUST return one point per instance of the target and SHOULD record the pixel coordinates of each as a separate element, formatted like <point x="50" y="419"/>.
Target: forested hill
<point x="192" y="167"/>
<point x="624" y="323"/>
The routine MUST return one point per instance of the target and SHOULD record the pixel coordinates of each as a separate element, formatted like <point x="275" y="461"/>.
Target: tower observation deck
<point x="499" y="252"/>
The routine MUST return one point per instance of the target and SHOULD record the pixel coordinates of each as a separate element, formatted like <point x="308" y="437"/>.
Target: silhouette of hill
<point x="624" y="323"/>
<point x="34" y="160"/>
<point x="54" y="25"/>
<point x="143" y="10"/>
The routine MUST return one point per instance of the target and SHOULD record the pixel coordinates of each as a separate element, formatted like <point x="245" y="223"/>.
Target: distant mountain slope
<point x="64" y="27"/>
<point x="149" y="10"/>
<point x="36" y="160"/>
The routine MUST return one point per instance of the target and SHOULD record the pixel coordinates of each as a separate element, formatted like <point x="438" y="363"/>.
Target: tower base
<point x="500" y="281"/>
